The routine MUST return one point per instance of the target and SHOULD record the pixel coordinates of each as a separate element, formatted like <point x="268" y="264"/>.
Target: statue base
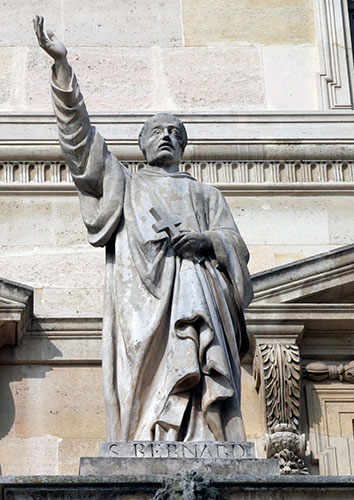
<point x="167" y="457"/>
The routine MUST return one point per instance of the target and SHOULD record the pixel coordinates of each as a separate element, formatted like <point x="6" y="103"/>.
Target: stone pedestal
<point x="168" y="458"/>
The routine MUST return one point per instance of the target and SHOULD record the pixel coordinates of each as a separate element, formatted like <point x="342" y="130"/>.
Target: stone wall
<point x="177" y="55"/>
<point x="225" y="57"/>
<point x="44" y="242"/>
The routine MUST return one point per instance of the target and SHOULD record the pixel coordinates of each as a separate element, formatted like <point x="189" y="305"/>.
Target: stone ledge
<point x="223" y="136"/>
<point x="128" y="487"/>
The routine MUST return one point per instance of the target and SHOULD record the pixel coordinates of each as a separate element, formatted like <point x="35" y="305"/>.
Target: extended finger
<point x="36" y="25"/>
<point x="41" y="29"/>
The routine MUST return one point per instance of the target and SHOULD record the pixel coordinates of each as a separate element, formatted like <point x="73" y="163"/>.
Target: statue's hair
<point x="183" y="138"/>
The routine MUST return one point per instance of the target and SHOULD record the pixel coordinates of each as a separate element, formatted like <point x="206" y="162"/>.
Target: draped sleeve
<point x="229" y="248"/>
<point x="99" y="177"/>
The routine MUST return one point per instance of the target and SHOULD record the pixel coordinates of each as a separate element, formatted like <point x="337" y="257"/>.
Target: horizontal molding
<point x="241" y="176"/>
<point x="294" y="312"/>
<point x="77" y="341"/>
<point x="266" y="135"/>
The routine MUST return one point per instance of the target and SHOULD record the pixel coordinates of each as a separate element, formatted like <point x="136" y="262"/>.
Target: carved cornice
<point x="309" y="277"/>
<point x="16" y="308"/>
<point x="223" y="136"/>
<point x="229" y="176"/>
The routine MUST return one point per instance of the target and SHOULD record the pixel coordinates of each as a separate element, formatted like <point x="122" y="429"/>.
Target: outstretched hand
<point x="50" y="43"/>
<point x="189" y="244"/>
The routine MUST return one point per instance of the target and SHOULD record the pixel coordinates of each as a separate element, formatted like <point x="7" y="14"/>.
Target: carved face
<point x="162" y="141"/>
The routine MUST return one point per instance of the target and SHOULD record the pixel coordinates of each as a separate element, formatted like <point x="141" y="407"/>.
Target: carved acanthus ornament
<point x="187" y="485"/>
<point x="318" y="370"/>
<point x="277" y="376"/>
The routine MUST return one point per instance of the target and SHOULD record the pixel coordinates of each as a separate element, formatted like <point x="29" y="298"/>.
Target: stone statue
<point x="176" y="277"/>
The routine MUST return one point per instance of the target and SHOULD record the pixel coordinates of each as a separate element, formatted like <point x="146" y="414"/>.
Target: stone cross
<point x="165" y="222"/>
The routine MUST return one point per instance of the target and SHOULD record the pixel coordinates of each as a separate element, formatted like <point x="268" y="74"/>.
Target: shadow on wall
<point x="13" y="369"/>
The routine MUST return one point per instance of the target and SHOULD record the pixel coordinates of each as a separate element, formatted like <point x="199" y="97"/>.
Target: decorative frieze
<point x="258" y="172"/>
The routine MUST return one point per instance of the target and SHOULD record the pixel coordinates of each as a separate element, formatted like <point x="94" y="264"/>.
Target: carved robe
<point x="171" y="344"/>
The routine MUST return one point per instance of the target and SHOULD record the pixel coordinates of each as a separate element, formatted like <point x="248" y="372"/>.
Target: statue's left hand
<point x="188" y="244"/>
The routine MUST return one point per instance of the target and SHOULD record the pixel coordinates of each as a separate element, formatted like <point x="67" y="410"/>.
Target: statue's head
<point x="163" y="139"/>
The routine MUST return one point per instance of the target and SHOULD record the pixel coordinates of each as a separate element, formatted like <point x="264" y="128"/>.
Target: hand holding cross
<point x="187" y="244"/>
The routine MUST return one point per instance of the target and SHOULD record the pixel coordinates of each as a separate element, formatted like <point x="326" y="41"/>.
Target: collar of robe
<point x="163" y="173"/>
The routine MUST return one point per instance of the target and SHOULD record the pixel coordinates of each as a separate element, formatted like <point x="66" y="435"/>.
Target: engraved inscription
<point x="161" y="449"/>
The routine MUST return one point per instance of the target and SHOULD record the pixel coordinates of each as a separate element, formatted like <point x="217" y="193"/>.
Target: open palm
<point x="51" y="44"/>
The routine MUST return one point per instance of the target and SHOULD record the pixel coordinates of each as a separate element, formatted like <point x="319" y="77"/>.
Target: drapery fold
<point x="173" y="329"/>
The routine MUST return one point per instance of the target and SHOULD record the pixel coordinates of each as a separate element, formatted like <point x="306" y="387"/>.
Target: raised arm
<point x="99" y="177"/>
<point x="75" y="131"/>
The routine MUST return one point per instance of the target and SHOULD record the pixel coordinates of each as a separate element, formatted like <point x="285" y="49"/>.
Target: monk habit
<point x="173" y="329"/>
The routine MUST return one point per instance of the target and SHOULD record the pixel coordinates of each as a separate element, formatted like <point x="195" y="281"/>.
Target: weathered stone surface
<point x="34" y="266"/>
<point x="267" y="221"/>
<point x="176" y="449"/>
<point x="68" y="227"/>
<point x="18" y="30"/>
<point x="113" y="78"/>
<point x="177" y="79"/>
<point x="290" y="77"/>
<point x="284" y="254"/>
<point x="261" y="257"/>
<point x="131" y="23"/>
<point x="341" y="230"/>
<point x="20" y="226"/>
<point x="251" y="407"/>
<point x="84" y="302"/>
<point x="7" y="57"/>
<point x="137" y="466"/>
<point x="70" y="451"/>
<point x="59" y="397"/>
<point x="31" y="455"/>
<point x="269" y="22"/>
<point x="188" y="78"/>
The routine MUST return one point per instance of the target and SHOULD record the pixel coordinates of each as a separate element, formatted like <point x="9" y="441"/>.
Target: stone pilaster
<point x="277" y="376"/>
